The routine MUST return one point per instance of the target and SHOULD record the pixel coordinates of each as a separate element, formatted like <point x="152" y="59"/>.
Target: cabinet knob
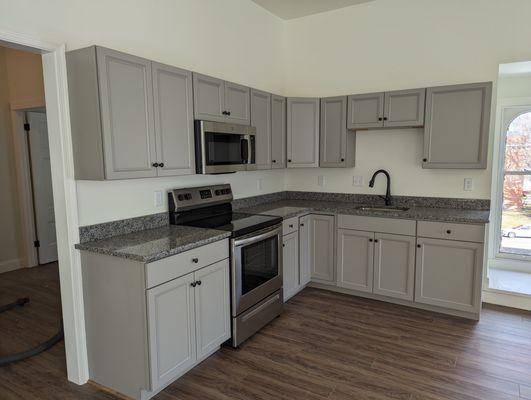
<point x="193" y="284"/>
<point x="155" y="164"/>
<point x="385" y="118"/>
<point x="302" y="224"/>
<point x="424" y="160"/>
<point x="274" y="161"/>
<point x="195" y="260"/>
<point x="291" y="225"/>
<point x="342" y="160"/>
<point x="448" y="231"/>
<point x="375" y="240"/>
<point x="161" y="164"/>
<point x="289" y="160"/>
<point x="283" y="245"/>
<point x="224" y="112"/>
<point x="419" y="246"/>
<point x="380" y="119"/>
<point x="198" y="283"/>
<point x="370" y="240"/>
<point x="228" y="112"/>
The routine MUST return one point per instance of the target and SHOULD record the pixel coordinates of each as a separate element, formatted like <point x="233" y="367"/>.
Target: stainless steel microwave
<point x="222" y="148"/>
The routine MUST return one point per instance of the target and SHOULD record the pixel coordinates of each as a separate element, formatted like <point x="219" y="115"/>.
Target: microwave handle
<point x="244" y="150"/>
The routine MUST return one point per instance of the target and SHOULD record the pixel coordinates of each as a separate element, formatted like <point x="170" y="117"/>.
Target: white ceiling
<point x="289" y="9"/>
<point x="517" y="68"/>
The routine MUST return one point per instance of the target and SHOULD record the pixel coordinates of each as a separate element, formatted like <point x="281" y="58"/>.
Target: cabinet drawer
<point x="444" y="230"/>
<point x="290" y="225"/>
<point x="181" y="264"/>
<point x="377" y="224"/>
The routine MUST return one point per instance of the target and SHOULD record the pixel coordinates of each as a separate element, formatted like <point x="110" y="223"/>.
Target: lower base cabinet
<point x="189" y="317"/>
<point x="322" y="249"/>
<point x="290" y="264"/>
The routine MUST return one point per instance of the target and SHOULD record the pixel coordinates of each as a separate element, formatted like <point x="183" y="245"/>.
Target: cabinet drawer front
<point x="443" y="230"/>
<point x="377" y="224"/>
<point x="181" y="264"/>
<point x="290" y="225"/>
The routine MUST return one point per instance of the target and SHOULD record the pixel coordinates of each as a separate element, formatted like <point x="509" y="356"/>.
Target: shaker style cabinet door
<point x="174" y="120"/>
<point x="336" y="144"/>
<point x="448" y="274"/>
<point x="404" y="108"/>
<point x="278" y="132"/>
<point x="209" y="98"/>
<point x="303" y="132"/>
<point x="355" y="256"/>
<point x="126" y="103"/>
<point x="171" y="328"/>
<point x="212" y="307"/>
<point x="237" y="104"/>
<point x="290" y="264"/>
<point x="365" y="111"/>
<point x="261" y="120"/>
<point x="394" y="265"/>
<point x="456" y="130"/>
<point x="305" y="245"/>
<point x="322" y="229"/>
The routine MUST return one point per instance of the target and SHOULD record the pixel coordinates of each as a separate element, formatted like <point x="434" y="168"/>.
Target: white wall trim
<point x="65" y="196"/>
<point x="10" y="265"/>
<point x="507" y="299"/>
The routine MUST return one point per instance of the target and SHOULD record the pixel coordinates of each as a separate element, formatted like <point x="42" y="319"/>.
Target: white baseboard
<point x="10" y="265"/>
<point x="507" y="299"/>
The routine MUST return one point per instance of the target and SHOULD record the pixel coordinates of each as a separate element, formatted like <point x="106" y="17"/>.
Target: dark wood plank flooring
<point x="324" y="346"/>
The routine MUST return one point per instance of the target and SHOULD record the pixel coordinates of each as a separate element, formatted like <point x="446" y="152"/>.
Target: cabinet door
<point x="278" y="132"/>
<point x="209" y="98"/>
<point x="394" y="265"/>
<point x="305" y="246"/>
<point x="448" y="274"/>
<point x="322" y="229"/>
<point x="237" y="104"/>
<point x="171" y="316"/>
<point x="212" y="307"/>
<point x="261" y="120"/>
<point x="303" y="132"/>
<point x="404" y="108"/>
<point x="174" y="120"/>
<point x="290" y="264"/>
<point x="335" y="148"/>
<point x="456" y="131"/>
<point x="355" y="255"/>
<point x="126" y="102"/>
<point x="365" y="111"/>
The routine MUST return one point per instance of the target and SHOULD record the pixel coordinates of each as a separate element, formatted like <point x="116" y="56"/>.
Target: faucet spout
<point x="387" y="196"/>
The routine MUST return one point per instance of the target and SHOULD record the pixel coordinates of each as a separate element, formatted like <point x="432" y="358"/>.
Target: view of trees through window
<point x="516" y="213"/>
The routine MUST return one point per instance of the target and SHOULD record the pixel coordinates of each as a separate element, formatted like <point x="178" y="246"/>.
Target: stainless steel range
<point x="256" y="257"/>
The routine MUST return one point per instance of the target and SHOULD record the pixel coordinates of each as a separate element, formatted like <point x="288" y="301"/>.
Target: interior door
<point x="41" y="174"/>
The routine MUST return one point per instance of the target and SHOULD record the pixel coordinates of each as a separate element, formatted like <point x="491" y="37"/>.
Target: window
<point x="516" y="205"/>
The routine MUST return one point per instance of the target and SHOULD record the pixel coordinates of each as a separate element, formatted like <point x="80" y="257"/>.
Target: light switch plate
<point x="357" y="180"/>
<point x="468" y="184"/>
<point x="321" y="181"/>
<point x="158" y="198"/>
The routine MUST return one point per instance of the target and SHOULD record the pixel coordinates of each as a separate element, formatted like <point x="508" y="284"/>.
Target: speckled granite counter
<point x="154" y="244"/>
<point x="292" y="208"/>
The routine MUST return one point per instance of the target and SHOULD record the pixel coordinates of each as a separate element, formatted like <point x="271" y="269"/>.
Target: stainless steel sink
<point x="383" y="208"/>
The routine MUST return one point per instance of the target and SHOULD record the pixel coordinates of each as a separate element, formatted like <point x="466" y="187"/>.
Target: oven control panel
<point x="197" y="197"/>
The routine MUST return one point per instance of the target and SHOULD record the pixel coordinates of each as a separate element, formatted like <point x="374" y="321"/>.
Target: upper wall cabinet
<point x="278" y="132"/>
<point x="261" y="120"/>
<point x="401" y="108"/>
<point x="303" y="132"/>
<point x="457" y="126"/>
<point x="221" y="101"/>
<point x="130" y="118"/>
<point x="337" y="145"/>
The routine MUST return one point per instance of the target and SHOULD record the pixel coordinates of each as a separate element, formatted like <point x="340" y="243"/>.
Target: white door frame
<point x="64" y="194"/>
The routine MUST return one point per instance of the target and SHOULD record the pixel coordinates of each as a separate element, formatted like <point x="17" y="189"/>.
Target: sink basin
<point x="383" y="208"/>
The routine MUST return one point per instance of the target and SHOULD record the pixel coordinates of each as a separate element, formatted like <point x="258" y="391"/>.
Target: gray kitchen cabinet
<point x="448" y="274"/>
<point x="336" y="144"/>
<point x="456" y="131"/>
<point x="278" y="132"/>
<point x="404" y="108"/>
<point x="322" y="231"/>
<point x="305" y="245"/>
<point x="355" y="260"/>
<point x="128" y="116"/>
<point x="302" y="132"/>
<point x="174" y="120"/>
<point x="365" y="111"/>
<point x="261" y="119"/>
<point x="290" y="264"/>
<point x="237" y="103"/>
<point x="394" y="265"/>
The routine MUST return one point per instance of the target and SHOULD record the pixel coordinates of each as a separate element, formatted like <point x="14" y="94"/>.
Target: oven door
<point x="256" y="266"/>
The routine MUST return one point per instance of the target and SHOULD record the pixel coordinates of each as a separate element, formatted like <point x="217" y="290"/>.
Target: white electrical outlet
<point x="357" y="180"/>
<point x="468" y="184"/>
<point x="158" y="198"/>
<point x="259" y="183"/>
<point x="321" y="181"/>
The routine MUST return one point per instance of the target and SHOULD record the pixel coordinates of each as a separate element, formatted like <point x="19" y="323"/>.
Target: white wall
<point x="392" y="45"/>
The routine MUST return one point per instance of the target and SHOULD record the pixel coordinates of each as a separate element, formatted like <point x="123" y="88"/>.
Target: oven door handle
<point x="255" y="239"/>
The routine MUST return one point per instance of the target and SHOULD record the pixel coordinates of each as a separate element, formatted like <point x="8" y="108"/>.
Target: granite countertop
<point x="293" y="208"/>
<point x="154" y="244"/>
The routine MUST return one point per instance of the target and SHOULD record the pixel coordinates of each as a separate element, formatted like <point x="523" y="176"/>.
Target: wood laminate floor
<point x="324" y="346"/>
